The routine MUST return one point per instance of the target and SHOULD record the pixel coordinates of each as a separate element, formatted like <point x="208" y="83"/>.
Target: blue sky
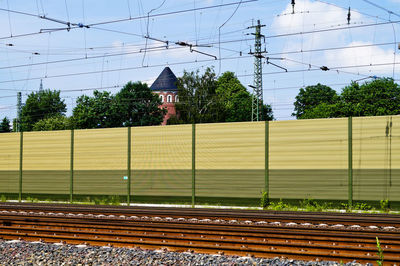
<point x="317" y="34"/>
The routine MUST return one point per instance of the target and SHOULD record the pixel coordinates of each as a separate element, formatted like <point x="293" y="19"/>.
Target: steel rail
<point x="261" y="240"/>
<point x="326" y="217"/>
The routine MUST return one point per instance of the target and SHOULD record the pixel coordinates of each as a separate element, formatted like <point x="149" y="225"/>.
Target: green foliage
<point x="95" y="112"/>
<point x="346" y="206"/>
<point x="236" y="100"/>
<point x="323" y="110"/>
<point x="137" y="105"/>
<point x="312" y="96"/>
<point x="3" y="198"/>
<point x="378" y="97"/>
<point x="264" y="201"/>
<point x="362" y="206"/>
<point x="5" y="125"/>
<point x="198" y="102"/>
<point x="30" y="199"/>
<point x="205" y="99"/>
<point x="384" y="205"/>
<point x="379" y="252"/>
<point x="234" y="97"/>
<point x="134" y="105"/>
<point x="53" y="123"/>
<point x="279" y="206"/>
<point x="107" y="200"/>
<point x="41" y="105"/>
<point x="313" y="206"/>
<point x="174" y="120"/>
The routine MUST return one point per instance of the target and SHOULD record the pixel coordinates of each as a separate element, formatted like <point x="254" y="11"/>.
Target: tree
<point x="134" y="105"/>
<point x="378" y="97"/>
<point x="5" y="125"/>
<point x="137" y="105"/>
<point x="267" y="112"/>
<point x="323" y="110"/>
<point x="95" y="112"/>
<point x="40" y="105"/>
<point x="312" y="96"/>
<point x="198" y="101"/>
<point x="53" y="123"/>
<point x="237" y="101"/>
<point x="234" y="97"/>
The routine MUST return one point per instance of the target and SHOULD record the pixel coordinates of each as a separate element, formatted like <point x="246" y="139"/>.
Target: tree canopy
<point x="205" y="99"/>
<point x="5" y="125"/>
<point x="97" y="111"/>
<point x="40" y="105"/>
<point x="53" y="123"/>
<point x="310" y="97"/>
<point x="137" y="105"/>
<point x="134" y="105"/>
<point x="198" y="102"/>
<point x="377" y="97"/>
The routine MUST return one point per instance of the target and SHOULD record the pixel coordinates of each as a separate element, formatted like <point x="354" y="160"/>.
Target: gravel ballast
<point x="37" y="253"/>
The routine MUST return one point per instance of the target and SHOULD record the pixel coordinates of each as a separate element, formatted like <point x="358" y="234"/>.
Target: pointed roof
<point x="166" y="81"/>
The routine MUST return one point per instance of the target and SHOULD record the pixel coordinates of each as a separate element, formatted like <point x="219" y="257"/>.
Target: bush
<point x="313" y="205"/>
<point x="264" y="202"/>
<point x="279" y="206"/>
<point x="385" y="205"/>
<point x="3" y="198"/>
<point x="363" y="207"/>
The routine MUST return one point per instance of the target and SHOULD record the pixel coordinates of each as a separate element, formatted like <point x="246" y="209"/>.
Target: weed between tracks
<point x="312" y="205"/>
<point x="379" y="253"/>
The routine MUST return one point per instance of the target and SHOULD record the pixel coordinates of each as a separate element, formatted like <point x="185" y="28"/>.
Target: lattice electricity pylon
<point x="257" y="113"/>
<point x="257" y="102"/>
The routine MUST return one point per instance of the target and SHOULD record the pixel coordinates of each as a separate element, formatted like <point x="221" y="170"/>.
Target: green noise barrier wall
<point x="328" y="159"/>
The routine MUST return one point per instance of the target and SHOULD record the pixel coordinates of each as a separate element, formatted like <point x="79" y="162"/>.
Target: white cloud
<point x="371" y="55"/>
<point x="312" y="16"/>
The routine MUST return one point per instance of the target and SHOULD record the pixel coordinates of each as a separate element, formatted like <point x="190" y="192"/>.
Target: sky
<point x="112" y="42"/>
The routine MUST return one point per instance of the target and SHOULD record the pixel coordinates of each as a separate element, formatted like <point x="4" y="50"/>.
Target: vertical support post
<point x="71" y="168"/>
<point x="266" y="183"/>
<point x="21" y="150"/>
<point x="129" y="167"/>
<point x="350" y="160"/>
<point x="193" y="164"/>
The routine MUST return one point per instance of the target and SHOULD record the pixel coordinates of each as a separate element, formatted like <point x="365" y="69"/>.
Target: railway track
<point x="305" y="236"/>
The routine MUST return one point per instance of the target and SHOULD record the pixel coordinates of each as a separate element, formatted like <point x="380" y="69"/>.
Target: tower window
<point x="162" y="98"/>
<point x="176" y="98"/>
<point x="169" y="99"/>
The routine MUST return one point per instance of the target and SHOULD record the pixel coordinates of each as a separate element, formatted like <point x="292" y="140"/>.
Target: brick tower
<point x="165" y="87"/>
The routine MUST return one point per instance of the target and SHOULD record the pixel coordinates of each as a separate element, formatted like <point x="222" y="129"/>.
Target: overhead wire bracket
<point x="67" y="23"/>
<point x="278" y="66"/>
<point x="180" y="43"/>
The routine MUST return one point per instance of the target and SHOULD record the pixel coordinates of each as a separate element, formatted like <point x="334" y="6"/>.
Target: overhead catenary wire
<point x="381" y="7"/>
<point x="111" y="21"/>
<point x="222" y="48"/>
<point x="189" y="62"/>
<point x="219" y="35"/>
<point x="180" y="47"/>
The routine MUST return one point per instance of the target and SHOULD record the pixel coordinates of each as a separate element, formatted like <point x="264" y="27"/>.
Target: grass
<point x="266" y="203"/>
<point x="3" y="198"/>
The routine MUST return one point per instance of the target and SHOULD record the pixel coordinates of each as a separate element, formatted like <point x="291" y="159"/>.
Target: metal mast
<point x="19" y="108"/>
<point x="41" y="86"/>
<point x="257" y="102"/>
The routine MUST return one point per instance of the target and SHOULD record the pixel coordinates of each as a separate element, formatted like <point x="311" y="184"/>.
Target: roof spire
<point x="166" y="81"/>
